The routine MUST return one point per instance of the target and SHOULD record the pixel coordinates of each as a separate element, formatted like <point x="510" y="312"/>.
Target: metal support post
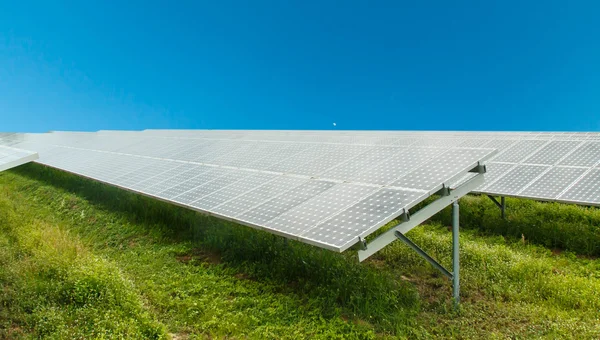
<point x="455" y="254"/>
<point x="417" y="218"/>
<point x="408" y="222"/>
<point x="501" y="204"/>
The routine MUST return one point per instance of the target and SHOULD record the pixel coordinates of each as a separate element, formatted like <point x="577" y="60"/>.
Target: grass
<point x="554" y="225"/>
<point x="83" y="260"/>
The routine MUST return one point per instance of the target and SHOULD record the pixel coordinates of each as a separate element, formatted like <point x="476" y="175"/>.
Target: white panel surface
<point x="11" y="157"/>
<point x="293" y="183"/>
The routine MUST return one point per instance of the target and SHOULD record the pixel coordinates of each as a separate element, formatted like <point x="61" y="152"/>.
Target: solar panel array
<point x="12" y="157"/>
<point x="549" y="166"/>
<point x="563" y="167"/>
<point x="327" y="191"/>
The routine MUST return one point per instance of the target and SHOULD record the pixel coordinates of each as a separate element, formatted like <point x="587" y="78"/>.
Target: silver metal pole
<point x="455" y="253"/>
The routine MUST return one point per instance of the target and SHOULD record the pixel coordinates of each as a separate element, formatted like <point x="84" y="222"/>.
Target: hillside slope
<point x="79" y="259"/>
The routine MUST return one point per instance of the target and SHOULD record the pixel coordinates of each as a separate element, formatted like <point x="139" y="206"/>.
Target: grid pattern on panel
<point x="494" y="172"/>
<point x="151" y="181"/>
<point x="433" y="173"/>
<point x="277" y="153"/>
<point x="401" y="163"/>
<point x="338" y="155"/>
<point x="552" y="152"/>
<point x="436" y="142"/>
<point x="586" y="189"/>
<point x="284" y="202"/>
<point x="187" y="150"/>
<point x="289" y="165"/>
<point x="473" y="143"/>
<point x="240" y="150"/>
<point x="364" y="216"/>
<point x="348" y="169"/>
<point x="120" y="165"/>
<point x="586" y="155"/>
<point x="516" y="179"/>
<point x="149" y="171"/>
<point x="234" y="190"/>
<point x="217" y="150"/>
<point x="500" y="144"/>
<point x="184" y="188"/>
<point x="519" y="151"/>
<point x="206" y="188"/>
<point x="176" y="179"/>
<point x="258" y="151"/>
<point x="319" y="208"/>
<point x="253" y="198"/>
<point x="553" y="182"/>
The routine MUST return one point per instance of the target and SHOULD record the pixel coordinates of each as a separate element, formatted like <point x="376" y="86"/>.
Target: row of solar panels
<point x="270" y="185"/>
<point x="562" y="167"/>
<point x="322" y="187"/>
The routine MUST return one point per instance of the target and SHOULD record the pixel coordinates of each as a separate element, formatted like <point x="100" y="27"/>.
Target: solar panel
<point x="329" y="190"/>
<point x="586" y="189"/>
<point x="12" y="157"/>
<point x="538" y="165"/>
<point x="383" y="161"/>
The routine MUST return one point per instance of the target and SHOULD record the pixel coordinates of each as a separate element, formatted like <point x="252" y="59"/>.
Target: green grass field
<point x="83" y="260"/>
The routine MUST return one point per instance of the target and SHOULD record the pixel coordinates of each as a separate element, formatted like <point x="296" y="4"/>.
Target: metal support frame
<point x="455" y="253"/>
<point x="423" y="254"/>
<point x="501" y="204"/>
<point x="409" y="222"/>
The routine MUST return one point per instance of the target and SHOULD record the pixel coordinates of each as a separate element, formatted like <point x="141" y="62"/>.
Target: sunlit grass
<point x="130" y="265"/>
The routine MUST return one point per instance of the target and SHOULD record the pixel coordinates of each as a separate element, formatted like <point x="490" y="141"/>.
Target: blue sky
<point x="427" y="65"/>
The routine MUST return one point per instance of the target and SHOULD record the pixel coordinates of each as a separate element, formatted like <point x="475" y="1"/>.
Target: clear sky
<point x="427" y="65"/>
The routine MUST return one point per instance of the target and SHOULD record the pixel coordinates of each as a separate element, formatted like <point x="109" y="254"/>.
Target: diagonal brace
<point x="501" y="204"/>
<point x="423" y="254"/>
<point x="419" y="217"/>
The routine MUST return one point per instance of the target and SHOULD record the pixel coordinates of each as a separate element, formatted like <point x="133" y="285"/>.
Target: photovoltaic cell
<point x="516" y="179"/>
<point x="519" y="151"/>
<point x="435" y="172"/>
<point x="284" y="202"/>
<point x="361" y="218"/>
<point x="233" y="190"/>
<point x="386" y="171"/>
<point x="587" y="189"/>
<point x="289" y="165"/>
<point x="183" y="188"/>
<point x="338" y="155"/>
<point x="210" y="186"/>
<point x="586" y="155"/>
<point x="176" y="179"/>
<point x="551" y="153"/>
<point x="347" y="169"/>
<point x="246" y="201"/>
<point x="178" y="169"/>
<point x="319" y="208"/>
<point x="277" y="153"/>
<point x="553" y="182"/>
